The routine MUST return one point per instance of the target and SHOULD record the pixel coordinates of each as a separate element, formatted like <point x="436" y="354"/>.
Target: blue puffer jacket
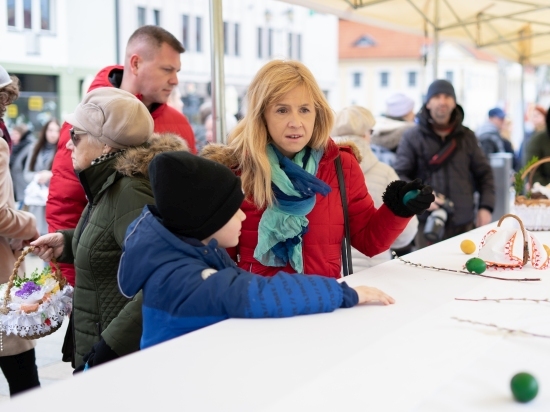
<point x="188" y="285"/>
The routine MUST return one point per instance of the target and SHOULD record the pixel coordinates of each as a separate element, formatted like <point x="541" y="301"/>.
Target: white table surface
<point x="411" y="356"/>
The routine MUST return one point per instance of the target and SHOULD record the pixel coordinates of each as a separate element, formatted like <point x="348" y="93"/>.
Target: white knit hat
<point x="4" y="77"/>
<point x="399" y="105"/>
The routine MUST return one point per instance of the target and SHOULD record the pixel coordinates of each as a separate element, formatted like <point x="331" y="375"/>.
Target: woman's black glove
<point x="100" y="353"/>
<point x="401" y="203"/>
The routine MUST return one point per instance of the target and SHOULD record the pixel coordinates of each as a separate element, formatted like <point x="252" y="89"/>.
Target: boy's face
<point x="228" y="235"/>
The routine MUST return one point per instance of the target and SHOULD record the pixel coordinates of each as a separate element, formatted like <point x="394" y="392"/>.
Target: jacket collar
<point x="97" y="178"/>
<point x="425" y="120"/>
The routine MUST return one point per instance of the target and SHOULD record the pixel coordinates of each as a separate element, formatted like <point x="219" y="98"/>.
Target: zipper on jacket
<point x="89" y="210"/>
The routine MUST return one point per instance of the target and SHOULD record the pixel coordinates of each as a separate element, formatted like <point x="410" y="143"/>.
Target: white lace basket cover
<point x="509" y="247"/>
<point x="47" y="318"/>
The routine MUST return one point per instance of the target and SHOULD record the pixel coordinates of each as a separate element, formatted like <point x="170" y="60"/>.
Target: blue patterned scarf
<point x="284" y="223"/>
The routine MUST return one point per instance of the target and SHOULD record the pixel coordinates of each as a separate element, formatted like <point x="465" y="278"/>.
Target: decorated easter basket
<point x="535" y="213"/>
<point x="512" y="248"/>
<point x="34" y="306"/>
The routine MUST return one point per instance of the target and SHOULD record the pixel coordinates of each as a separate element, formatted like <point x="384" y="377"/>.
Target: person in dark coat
<point x="539" y="146"/>
<point x="174" y="252"/>
<point x="112" y="143"/>
<point x="490" y="138"/>
<point x="446" y="155"/>
<point x="23" y="143"/>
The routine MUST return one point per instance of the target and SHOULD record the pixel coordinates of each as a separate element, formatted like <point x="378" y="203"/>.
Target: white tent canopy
<point x="518" y="30"/>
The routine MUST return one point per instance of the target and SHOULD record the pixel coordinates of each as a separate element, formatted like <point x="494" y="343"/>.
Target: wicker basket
<point x="535" y="213"/>
<point x="47" y="318"/>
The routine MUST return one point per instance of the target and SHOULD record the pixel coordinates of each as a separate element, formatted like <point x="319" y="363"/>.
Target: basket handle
<point x="531" y="170"/>
<point x="523" y="232"/>
<point x="57" y="275"/>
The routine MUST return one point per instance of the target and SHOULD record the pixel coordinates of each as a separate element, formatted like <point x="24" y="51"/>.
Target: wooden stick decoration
<point x="501" y="299"/>
<point x="419" y="265"/>
<point x="491" y="325"/>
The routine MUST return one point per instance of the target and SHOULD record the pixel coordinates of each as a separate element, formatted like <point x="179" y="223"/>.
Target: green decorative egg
<point x="476" y="265"/>
<point x="524" y="387"/>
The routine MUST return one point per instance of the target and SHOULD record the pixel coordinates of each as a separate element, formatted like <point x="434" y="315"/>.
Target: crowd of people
<point x="160" y="240"/>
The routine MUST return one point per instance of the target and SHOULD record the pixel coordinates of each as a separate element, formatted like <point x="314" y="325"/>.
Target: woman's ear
<point x="107" y="149"/>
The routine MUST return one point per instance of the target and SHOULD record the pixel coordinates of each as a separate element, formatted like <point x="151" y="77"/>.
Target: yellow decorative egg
<point x="547" y="249"/>
<point x="467" y="246"/>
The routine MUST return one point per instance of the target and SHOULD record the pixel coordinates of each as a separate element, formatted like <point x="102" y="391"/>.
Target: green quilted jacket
<point x="117" y="189"/>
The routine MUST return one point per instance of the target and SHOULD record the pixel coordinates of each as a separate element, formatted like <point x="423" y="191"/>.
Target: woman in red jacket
<point x="286" y="159"/>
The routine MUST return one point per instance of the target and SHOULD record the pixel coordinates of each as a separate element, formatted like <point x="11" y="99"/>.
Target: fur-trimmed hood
<point x="135" y="160"/>
<point x="226" y="156"/>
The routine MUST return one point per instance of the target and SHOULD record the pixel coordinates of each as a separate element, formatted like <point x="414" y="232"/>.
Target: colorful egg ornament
<point x="467" y="246"/>
<point x="476" y="265"/>
<point x="524" y="387"/>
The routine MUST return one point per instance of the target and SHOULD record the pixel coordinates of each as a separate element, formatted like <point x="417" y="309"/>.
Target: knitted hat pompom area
<point x="440" y="86"/>
<point x="195" y="197"/>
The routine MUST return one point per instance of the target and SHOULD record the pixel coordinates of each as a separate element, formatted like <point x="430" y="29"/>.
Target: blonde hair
<point x="249" y="138"/>
<point x="353" y="121"/>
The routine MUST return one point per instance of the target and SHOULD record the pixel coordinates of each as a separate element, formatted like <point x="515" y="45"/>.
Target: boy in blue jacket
<point x="174" y="252"/>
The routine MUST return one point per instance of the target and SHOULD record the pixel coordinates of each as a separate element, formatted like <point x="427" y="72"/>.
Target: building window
<point x="11" y="13"/>
<point x="384" y="79"/>
<point x="299" y="47"/>
<point x="199" y="34"/>
<point x="290" y="38"/>
<point x="141" y="16"/>
<point x="357" y="77"/>
<point x="27" y="14"/>
<point x="412" y="79"/>
<point x="45" y="19"/>
<point x="225" y="38"/>
<point x="449" y="75"/>
<point x="156" y="17"/>
<point x="237" y="39"/>
<point x="260" y="41"/>
<point x="364" y="41"/>
<point x="270" y="42"/>
<point x="185" y="32"/>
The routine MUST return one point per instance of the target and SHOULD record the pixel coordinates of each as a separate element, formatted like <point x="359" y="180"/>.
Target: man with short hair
<point x="445" y="154"/>
<point x="151" y="64"/>
<point x="490" y="138"/>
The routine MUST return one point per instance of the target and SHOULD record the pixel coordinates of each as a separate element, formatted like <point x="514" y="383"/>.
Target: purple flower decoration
<point x="27" y="289"/>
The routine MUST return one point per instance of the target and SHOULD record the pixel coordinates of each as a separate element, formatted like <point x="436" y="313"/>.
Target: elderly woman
<point x="353" y="126"/>
<point x="112" y="145"/>
<point x="289" y="170"/>
<point x="17" y="357"/>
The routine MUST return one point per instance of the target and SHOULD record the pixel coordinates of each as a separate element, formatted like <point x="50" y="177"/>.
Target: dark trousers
<point x="20" y="371"/>
<point x="450" y="231"/>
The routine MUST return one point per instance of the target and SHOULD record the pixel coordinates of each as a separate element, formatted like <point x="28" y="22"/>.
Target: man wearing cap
<point x="111" y="145"/>
<point x="445" y="154"/>
<point x="150" y="69"/>
<point x="389" y="128"/>
<point x="490" y="138"/>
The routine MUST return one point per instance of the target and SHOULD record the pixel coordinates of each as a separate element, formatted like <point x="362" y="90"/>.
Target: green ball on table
<point x="524" y="387"/>
<point x="476" y="265"/>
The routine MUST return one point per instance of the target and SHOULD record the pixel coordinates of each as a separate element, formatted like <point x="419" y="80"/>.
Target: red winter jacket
<point x="66" y="198"/>
<point x="372" y="231"/>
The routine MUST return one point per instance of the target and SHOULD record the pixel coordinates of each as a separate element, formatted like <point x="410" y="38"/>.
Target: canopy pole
<point x="436" y="39"/>
<point x="218" y="76"/>
<point x="522" y="97"/>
